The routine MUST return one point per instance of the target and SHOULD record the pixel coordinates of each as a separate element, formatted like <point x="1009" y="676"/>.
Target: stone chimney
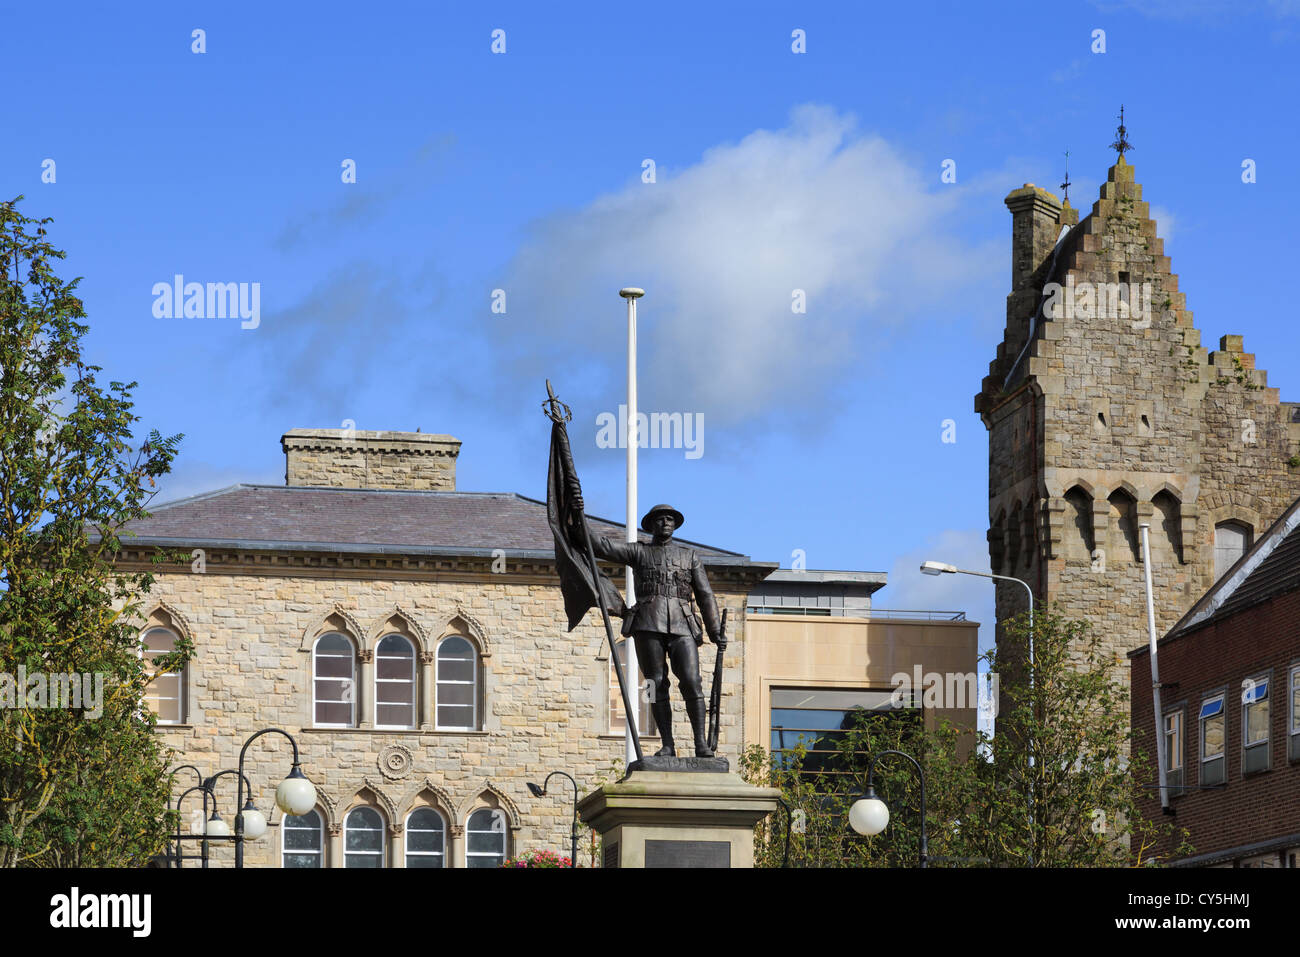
<point x="347" y="458"/>
<point x="1036" y="220"/>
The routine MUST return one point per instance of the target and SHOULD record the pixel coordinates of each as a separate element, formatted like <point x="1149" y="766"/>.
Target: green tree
<point x="74" y="788"/>
<point x="1054" y="787"/>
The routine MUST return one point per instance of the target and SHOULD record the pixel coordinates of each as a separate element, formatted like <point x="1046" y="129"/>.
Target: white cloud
<point x="720" y="246"/>
<point x="909" y="589"/>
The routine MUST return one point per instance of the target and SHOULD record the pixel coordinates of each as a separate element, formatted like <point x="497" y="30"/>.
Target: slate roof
<point x="367" y="520"/>
<point x="1269" y="568"/>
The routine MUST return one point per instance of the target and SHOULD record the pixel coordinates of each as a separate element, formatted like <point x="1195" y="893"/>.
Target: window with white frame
<point x="395" y="683"/>
<point x="1173" y="745"/>
<point x="334" y="674"/>
<point x="302" y="840"/>
<point x="1231" y="539"/>
<point x="617" y="719"/>
<point x="363" y="838"/>
<point x="165" y="693"/>
<point x="1214" y="733"/>
<point x="1254" y="724"/>
<point x="485" y="838"/>
<point x="457" y="705"/>
<point x="1295" y="713"/>
<point x="426" y="838"/>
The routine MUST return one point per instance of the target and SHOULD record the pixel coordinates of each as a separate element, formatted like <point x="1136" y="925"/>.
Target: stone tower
<point x="1105" y="411"/>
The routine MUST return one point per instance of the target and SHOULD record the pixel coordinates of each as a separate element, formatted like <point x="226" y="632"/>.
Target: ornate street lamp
<point x="869" y="815"/>
<point x="295" y="796"/>
<point x="573" y="832"/>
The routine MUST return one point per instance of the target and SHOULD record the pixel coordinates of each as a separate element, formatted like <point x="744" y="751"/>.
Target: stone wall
<point x="1115" y="416"/>
<point x="544" y="694"/>
<point x="346" y="458"/>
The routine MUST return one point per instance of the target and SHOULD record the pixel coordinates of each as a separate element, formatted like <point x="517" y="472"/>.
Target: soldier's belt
<point x="684" y="593"/>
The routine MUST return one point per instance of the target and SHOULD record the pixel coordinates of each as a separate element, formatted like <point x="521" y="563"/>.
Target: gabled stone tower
<point x="1104" y="411"/>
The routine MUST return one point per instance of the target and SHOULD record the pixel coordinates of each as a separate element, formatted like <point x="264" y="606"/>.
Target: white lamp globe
<point x="868" y="816"/>
<point x="217" y="827"/>
<point x="254" y="823"/>
<point x="295" y="795"/>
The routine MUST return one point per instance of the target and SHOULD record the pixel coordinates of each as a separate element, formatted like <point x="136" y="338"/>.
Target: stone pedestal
<point x="678" y="818"/>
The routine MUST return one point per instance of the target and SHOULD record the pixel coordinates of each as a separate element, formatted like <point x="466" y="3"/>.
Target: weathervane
<point x="1121" y="139"/>
<point x="1065" y="187"/>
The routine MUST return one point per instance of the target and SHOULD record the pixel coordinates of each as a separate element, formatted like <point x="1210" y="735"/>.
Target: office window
<point x="485" y="838"/>
<point x="334" y="663"/>
<point x="1295" y="714"/>
<point x="302" y="841"/>
<point x="1173" y="745"/>
<point x="1254" y="724"/>
<point x="395" y="683"/>
<point x="1213" y="737"/>
<point x="617" y="720"/>
<point x="1231" y="539"/>
<point x="363" y="838"/>
<point x="457" y="707"/>
<point x="165" y="693"/>
<point x="818" y="721"/>
<point x="425" y="838"/>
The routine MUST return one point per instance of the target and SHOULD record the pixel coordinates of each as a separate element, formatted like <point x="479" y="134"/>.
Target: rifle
<point x="715" y="693"/>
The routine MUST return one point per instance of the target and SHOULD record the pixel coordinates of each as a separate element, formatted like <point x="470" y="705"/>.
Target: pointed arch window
<point x="485" y="838"/>
<point x="458" y="684"/>
<point x="395" y="683"/>
<point x="334" y="679"/>
<point x="363" y="838"/>
<point x="426" y="839"/>
<point x="165" y="693"/>
<point x="302" y="840"/>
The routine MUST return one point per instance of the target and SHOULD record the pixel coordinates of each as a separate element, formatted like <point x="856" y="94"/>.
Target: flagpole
<point x="632" y="294"/>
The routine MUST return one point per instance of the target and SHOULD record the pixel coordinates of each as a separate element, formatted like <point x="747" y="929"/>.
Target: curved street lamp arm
<point x="239" y="790"/>
<point x="920" y="772"/>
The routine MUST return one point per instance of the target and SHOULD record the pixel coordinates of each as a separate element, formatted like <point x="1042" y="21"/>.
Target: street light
<point x="573" y="831"/>
<point x="869" y="815"/>
<point x="295" y="796"/>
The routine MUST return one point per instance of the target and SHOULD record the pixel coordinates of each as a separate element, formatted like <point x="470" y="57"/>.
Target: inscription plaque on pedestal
<point x="687" y="854"/>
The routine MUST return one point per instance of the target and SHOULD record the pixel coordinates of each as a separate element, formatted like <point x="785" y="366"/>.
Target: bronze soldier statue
<point x="663" y="624"/>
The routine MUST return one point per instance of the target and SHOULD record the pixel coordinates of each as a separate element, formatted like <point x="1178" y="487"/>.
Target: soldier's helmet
<point x="659" y="510"/>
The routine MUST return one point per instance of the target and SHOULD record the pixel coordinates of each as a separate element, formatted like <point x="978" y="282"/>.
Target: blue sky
<point x="523" y="171"/>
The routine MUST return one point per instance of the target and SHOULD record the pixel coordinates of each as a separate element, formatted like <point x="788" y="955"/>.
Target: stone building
<point x="1105" y="411"/>
<point x="412" y="639"/>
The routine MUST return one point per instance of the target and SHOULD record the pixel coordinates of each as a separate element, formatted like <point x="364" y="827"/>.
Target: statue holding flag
<point x="666" y="576"/>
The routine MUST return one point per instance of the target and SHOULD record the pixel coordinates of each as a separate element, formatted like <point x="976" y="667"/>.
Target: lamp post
<point x="254" y="820"/>
<point x="198" y="774"/>
<point x="573" y="829"/>
<point x="295" y="796"/>
<point x="941" y="568"/>
<point x="869" y="814"/>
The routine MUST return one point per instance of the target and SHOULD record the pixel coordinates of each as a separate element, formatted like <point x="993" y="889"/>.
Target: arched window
<point x="1167" y="529"/>
<point x="302" y="841"/>
<point x="485" y="838"/>
<point x="165" y="693"/>
<point x="426" y="839"/>
<point x="334" y="664"/>
<point x="1231" y="540"/>
<point x="617" y="719"/>
<point x="395" y="683"/>
<point x="1123" y="530"/>
<point x="363" y="838"/>
<point x="457" y="685"/>
<point x="1077" y="534"/>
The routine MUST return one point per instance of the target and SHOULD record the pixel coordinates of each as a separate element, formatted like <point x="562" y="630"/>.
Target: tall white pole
<point x="1155" y="674"/>
<point x="632" y="294"/>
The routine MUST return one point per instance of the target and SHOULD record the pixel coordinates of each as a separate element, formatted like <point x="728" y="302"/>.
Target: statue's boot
<point x="695" y="710"/>
<point x="663" y="712"/>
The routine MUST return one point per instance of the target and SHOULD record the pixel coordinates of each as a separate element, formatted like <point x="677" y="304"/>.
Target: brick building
<point x="1230" y="703"/>
<point x="1105" y="411"/>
